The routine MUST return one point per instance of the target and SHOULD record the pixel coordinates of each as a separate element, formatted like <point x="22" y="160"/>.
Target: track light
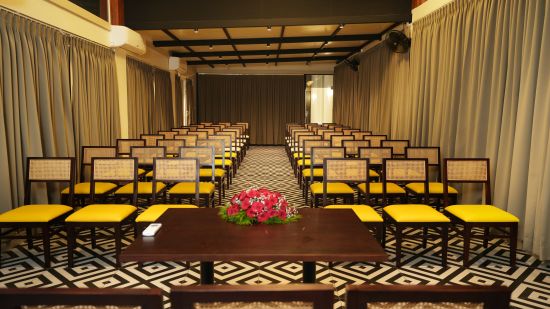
<point x="196" y="30"/>
<point x="268" y="28"/>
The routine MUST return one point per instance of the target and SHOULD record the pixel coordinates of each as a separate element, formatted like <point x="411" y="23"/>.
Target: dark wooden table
<point x="200" y="235"/>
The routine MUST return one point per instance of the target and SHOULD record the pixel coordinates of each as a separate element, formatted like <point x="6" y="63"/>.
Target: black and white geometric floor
<point x="268" y="166"/>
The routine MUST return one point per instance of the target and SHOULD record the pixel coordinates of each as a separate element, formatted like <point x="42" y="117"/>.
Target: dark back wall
<point x="266" y="102"/>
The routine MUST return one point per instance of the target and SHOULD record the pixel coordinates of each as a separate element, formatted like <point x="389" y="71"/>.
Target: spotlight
<point x="196" y="30"/>
<point x="268" y="28"/>
<point x="220" y="57"/>
<point x="341" y="26"/>
<point x="210" y="46"/>
<point x="268" y="44"/>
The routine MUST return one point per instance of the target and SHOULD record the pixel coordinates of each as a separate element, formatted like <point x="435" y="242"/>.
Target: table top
<point x="201" y="235"/>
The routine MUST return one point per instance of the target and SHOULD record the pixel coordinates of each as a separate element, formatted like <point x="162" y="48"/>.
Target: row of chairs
<point x="317" y="296"/>
<point x="407" y="179"/>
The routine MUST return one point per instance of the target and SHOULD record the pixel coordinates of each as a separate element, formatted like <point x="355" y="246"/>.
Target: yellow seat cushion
<point x="149" y="174"/>
<point x="306" y="162"/>
<point x="207" y="172"/>
<point x="414" y="213"/>
<point x="141" y="171"/>
<point x="230" y="155"/>
<point x="317" y="172"/>
<point x="434" y="188"/>
<point x="218" y="162"/>
<point x="376" y="188"/>
<point x="373" y="173"/>
<point x="143" y="188"/>
<point x="84" y="188"/>
<point x="481" y="213"/>
<point x="300" y="155"/>
<point x="152" y="213"/>
<point x="102" y="213"/>
<point x="34" y="213"/>
<point x="365" y="213"/>
<point x="332" y="188"/>
<point x="189" y="188"/>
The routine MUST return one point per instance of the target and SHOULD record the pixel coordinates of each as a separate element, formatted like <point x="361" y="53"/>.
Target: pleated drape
<point x="478" y="86"/>
<point x="51" y="86"/>
<point x="179" y="101"/>
<point x="266" y="102"/>
<point x="191" y="102"/>
<point x="149" y="99"/>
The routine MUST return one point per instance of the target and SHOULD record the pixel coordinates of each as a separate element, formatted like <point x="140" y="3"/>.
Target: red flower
<point x="242" y="195"/>
<point x="282" y="214"/>
<point x="232" y="210"/>
<point x="252" y="193"/>
<point x="245" y="203"/>
<point x="257" y="207"/>
<point x="250" y="213"/>
<point x="263" y="217"/>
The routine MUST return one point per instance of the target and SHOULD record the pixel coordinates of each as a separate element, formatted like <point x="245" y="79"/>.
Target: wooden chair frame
<point x="468" y="231"/>
<point x="47" y="228"/>
<point x="367" y="195"/>
<point x="492" y="297"/>
<point x="320" y="295"/>
<point x="14" y="298"/>
<point x="73" y="228"/>
<point x="151" y="139"/>
<point x="392" y="143"/>
<point x="314" y="199"/>
<point x="131" y="141"/>
<point x="375" y="140"/>
<point x="220" y="181"/>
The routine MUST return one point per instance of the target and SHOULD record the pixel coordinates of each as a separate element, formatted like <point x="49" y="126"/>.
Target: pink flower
<point x="250" y="213"/>
<point x="252" y="193"/>
<point x="282" y="214"/>
<point x="257" y="207"/>
<point x="232" y="210"/>
<point x="242" y="195"/>
<point x="245" y="203"/>
<point x="263" y="217"/>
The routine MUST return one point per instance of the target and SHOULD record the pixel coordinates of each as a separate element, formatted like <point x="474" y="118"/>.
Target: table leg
<point x="309" y="272"/>
<point x="207" y="272"/>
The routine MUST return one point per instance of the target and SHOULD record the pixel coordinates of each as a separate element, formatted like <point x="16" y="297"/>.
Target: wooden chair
<point x="180" y="131"/>
<point x="320" y="296"/>
<point x="484" y="216"/>
<point x="301" y="160"/>
<point x="168" y="134"/>
<point x="219" y="152"/>
<point x="151" y="139"/>
<point x="310" y="173"/>
<point x="352" y="147"/>
<point x="317" y="189"/>
<point x="352" y="171"/>
<point x="40" y="216"/>
<point x="190" y="140"/>
<point x="82" y="188"/>
<point x="374" y="192"/>
<point x="172" y="146"/>
<point x="398" y="146"/>
<point x="375" y="140"/>
<point x="185" y="172"/>
<point x="436" y="186"/>
<point x="337" y="140"/>
<point x="350" y="131"/>
<point x="123" y="146"/>
<point x="14" y="298"/>
<point x="399" y="217"/>
<point x="360" y="135"/>
<point x="229" y="153"/>
<point x="429" y="296"/>
<point x="208" y="171"/>
<point x="105" y="216"/>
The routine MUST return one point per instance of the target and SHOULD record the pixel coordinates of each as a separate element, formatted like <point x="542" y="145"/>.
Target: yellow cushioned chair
<point x="153" y="212"/>
<point x="334" y="189"/>
<point x="473" y="218"/>
<point x="206" y="156"/>
<point x="367" y="215"/>
<point x="105" y="216"/>
<point x="44" y="217"/>
<point x="399" y="217"/>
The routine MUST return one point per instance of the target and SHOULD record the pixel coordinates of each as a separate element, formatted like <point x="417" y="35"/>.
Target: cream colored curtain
<point x="141" y="94"/>
<point x="191" y="103"/>
<point x="36" y="105"/>
<point x="179" y="101"/>
<point x="479" y="87"/>
<point x="162" y="111"/>
<point x="94" y="94"/>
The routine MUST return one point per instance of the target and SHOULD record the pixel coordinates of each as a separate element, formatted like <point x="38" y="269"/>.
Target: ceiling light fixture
<point x="196" y="30"/>
<point x="220" y="57"/>
<point x="268" y="44"/>
<point x="341" y="26"/>
<point x="210" y="47"/>
<point x="268" y="28"/>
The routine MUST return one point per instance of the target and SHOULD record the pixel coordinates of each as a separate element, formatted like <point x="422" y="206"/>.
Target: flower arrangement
<point x="258" y="205"/>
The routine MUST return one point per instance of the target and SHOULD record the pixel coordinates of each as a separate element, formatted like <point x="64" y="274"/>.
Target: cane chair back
<point x="146" y="154"/>
<point x="375" y="140"/>
<point x="337" y="140"/>
<point x="190" y="140"/>
<point x="180" y="131"/>
<point x="344" y="170"/>
<point x="151" y="139"/>
<point x="123" y="146"/>
<point x="168" y="134"/>
<point x="376" y="155"/>
<point x="199" y="134"/>
<point x="360" y="135"/>
<point x="217" y="144"/>
<point x="352" y="146"/>
<point x="398" y="146"/>
<point x="348" y="131"/>
<point x="89" y="152"/>
<point x="204" y="154"/>
<point x="172" y="145"/>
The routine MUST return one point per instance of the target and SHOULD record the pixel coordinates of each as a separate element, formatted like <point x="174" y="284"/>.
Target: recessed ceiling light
<point x="268" y="44"/>
<point x="196" y="30"/>
<point x="327" y="43"/>
<point x="268" y="28"/>
<point x="220" y="57"/>
<point x="210" y="47"/>
<point x="341" y="26"/>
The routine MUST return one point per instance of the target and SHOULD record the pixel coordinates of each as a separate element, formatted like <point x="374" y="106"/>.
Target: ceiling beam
<point x="299" y="39"/>
<point x="334" y="33"/>
<point x="280" y="44"/>
<point x="273" y="60"/>
<point x="358" y="49"/>
<point x="175" y="38"/>
<point x="233" y="45"/>
<point x="263" y="52"/>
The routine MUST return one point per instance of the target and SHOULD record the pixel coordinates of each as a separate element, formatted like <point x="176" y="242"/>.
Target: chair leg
<point x="118" y="244"/>
<point x="466" y="251"/>
<point x="30" y="244"/>
<point x="486" y="237"/>
<point x="425" y="237"/>
<point x="444" y="244"/>
<point x="93" y="239"/>
<point x="513" y="244"/>
<point x="46" y="244"/>
<point x="398" y="240"/>
<point x="71" y="242"/>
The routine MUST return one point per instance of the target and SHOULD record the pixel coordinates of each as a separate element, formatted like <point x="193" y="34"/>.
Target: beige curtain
<point x="191" y="102"/>
<point x="94" y="94"/>
<point x="36" y="105"/>
<point x="179" y="101"/>
<point x="162" y="111"/>
<point x="479" y="88"/>
<point x="140" y="79"/>
<point x="266" y="102"/>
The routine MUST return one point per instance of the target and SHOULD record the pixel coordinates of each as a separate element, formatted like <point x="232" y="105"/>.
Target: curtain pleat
<point x="140" y="97"/>
<point x="191" y="102"/>
<point x="162" y="110"/>
<point x="266" y="102"/>
<point x="179" y="101"/>
<point x="475" y="84"/>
